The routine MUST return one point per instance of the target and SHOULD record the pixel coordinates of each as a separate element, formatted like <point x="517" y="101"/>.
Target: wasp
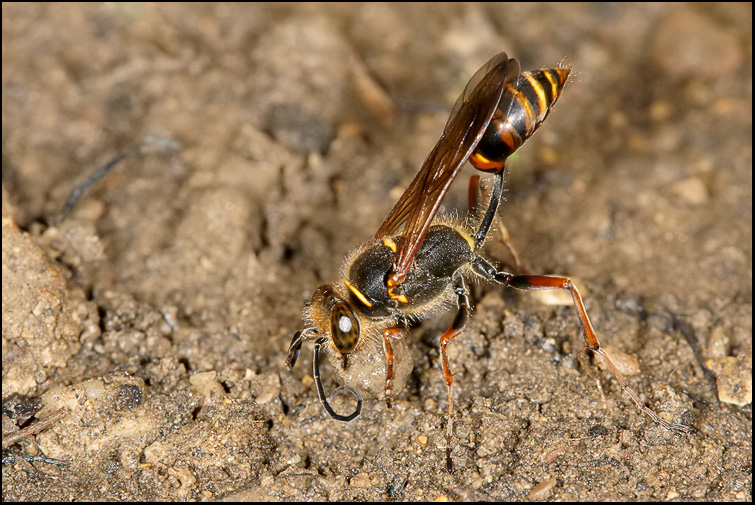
<point x="418" y="264"/>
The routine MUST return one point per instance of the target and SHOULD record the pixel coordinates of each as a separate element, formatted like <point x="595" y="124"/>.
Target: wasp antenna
<point x="321" y="391"/>
<point x="358" y="410"/>
<point x="294" y="348"/>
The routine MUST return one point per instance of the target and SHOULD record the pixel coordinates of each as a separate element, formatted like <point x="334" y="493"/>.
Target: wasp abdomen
<point x="524" y="106"/>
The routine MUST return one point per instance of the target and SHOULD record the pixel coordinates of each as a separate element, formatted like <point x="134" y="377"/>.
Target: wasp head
<point x="354" y="344"/>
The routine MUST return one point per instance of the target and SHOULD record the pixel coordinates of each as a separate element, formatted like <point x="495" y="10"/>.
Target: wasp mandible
<point x="418" y="264"/>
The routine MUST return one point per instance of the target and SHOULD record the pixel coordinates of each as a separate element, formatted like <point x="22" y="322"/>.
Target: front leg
<point x="389" y="333"/>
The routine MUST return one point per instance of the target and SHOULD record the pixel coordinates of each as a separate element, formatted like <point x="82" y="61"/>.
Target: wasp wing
<point x="468" y="121"/>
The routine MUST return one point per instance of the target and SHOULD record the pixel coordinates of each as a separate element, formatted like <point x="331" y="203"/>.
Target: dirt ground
<point x="159" y="312"/>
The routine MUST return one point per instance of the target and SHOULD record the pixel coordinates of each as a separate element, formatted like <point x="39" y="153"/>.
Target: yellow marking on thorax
<point x="390" y="244"/>
<point x="468" y="238"/>
<point x="357" y="293"/>
<point x="401" y="298"/>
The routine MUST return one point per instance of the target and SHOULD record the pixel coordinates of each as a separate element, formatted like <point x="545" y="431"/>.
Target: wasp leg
<point x="390" y="333"/>
<point x="505" y="238"/>
<point x="321" y="392"/>
<point x="536" y="282"/>
<point x="295" y="347"/>
<point x="472" y="197"/>
<point x="452" y="332"/>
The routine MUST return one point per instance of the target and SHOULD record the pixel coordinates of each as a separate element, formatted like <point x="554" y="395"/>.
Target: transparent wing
<point x="471" y="114"/>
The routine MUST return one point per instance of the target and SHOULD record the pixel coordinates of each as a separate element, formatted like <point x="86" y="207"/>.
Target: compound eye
<point x="344" y="327"/>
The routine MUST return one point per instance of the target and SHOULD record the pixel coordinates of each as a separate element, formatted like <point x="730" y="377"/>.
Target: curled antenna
<point x="321" y="392"/>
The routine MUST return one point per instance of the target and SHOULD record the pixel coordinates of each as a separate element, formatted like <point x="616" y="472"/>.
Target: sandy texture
<point x="159" y="312"/>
